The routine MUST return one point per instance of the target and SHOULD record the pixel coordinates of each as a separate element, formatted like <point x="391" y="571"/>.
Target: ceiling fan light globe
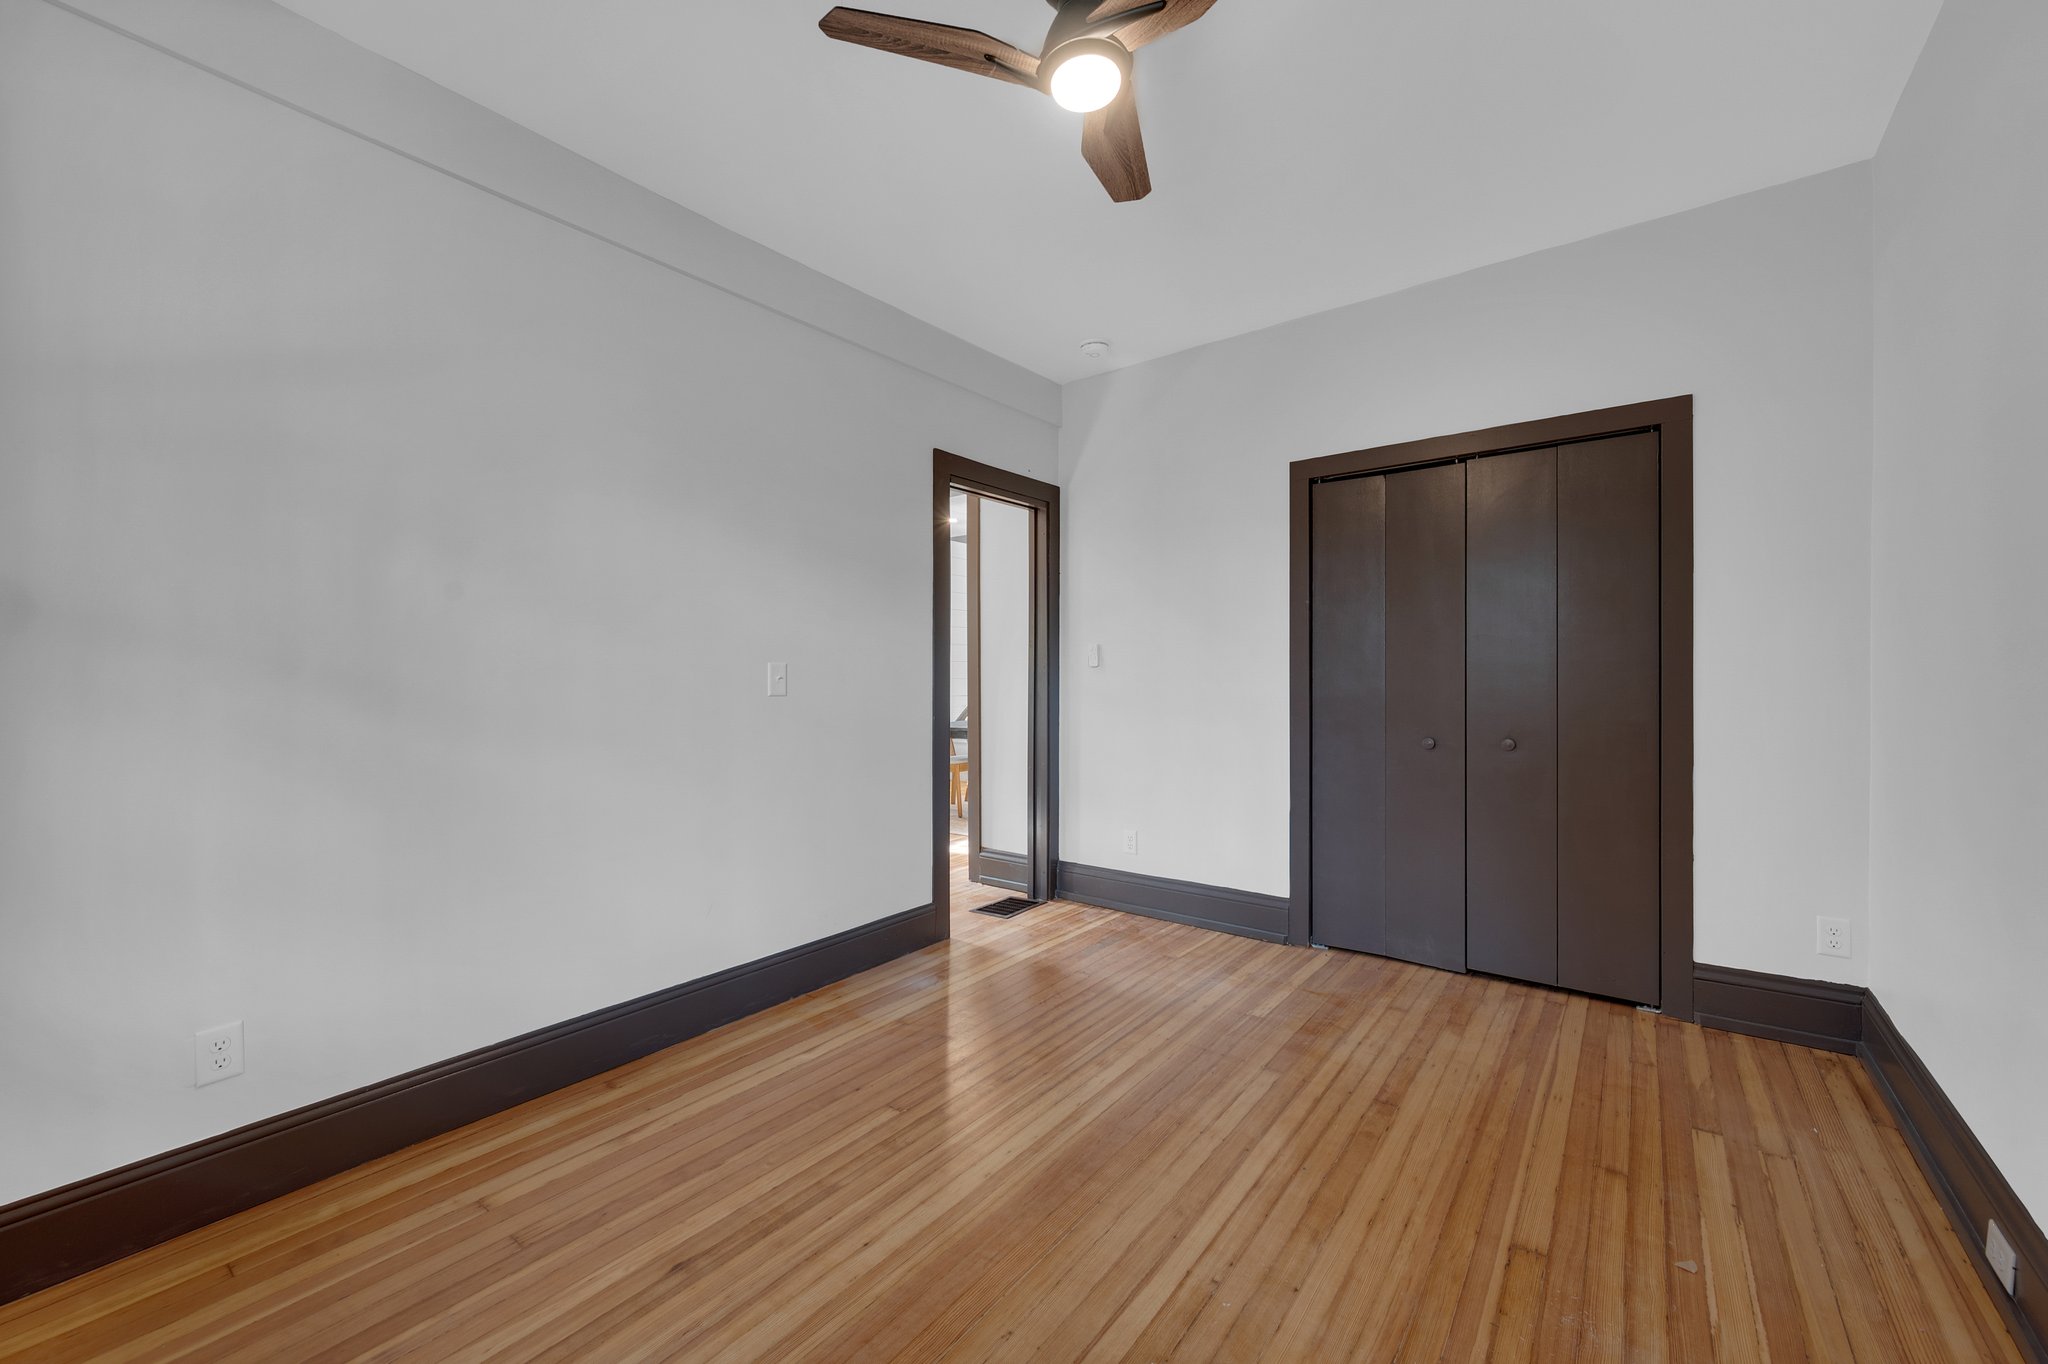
<point x="1085" y="82"/>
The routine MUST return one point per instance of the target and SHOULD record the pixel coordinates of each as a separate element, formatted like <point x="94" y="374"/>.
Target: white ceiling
<point x="1305" y="153"/>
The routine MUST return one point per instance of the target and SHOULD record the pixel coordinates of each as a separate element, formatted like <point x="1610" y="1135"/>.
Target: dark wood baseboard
<point x="1971" y="1187"/>
<point x="1242" y="912"/>
<point x="1811" y="1013"/>
<point x="1008" y="870"/>
<point x="54" y="1236"/>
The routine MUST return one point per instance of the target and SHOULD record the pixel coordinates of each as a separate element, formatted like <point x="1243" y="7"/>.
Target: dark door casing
<point x="1620" y="731"/>
<point x="951" y="473"/>
<point x="1486" y="698"/>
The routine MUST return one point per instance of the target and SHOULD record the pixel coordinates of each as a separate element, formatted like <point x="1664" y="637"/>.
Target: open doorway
<point x="990" y="763"/>
<point x="995" y="641"/>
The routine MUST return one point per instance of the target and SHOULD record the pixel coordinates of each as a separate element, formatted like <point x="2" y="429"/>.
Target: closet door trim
<point x="1671" y="419"/>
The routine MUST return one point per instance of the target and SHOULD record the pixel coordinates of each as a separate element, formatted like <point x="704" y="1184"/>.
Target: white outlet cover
<point x="1831" y="937"/>
<point x="217" y="1053"/>
<point x="2005" y="1261"/>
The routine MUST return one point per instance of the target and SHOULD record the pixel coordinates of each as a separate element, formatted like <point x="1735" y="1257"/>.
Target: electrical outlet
<point x="1831" y="936"/>
<point x="1130" y="840"/>
<point x="217" y="1053"/>
<point x="2005" y="1262"/>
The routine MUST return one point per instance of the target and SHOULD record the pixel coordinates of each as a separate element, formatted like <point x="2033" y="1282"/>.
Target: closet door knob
<point x="1429" y="743"/>
<point x="1507" y="745"/>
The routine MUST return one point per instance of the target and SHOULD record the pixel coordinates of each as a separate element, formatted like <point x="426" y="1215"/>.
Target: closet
<point x="1484" y="725"/>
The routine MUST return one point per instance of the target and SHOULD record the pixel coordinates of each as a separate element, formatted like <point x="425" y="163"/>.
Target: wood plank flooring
<point x="1081" y="1135"/>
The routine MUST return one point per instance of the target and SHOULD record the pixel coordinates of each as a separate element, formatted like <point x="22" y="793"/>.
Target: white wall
<point x="1005" y="723"/>
<point x="1959" y="803"/>
<point x="1175" y="477"/>
<point x="387" y="574"/>
<point x="388" y="562"/>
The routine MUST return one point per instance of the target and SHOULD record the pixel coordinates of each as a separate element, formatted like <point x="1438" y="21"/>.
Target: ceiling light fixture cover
<point x="1087" y="76"/>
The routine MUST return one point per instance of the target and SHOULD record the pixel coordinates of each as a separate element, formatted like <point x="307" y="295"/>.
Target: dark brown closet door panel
<point x="1511" y="715"/>
<point x="1607" y="669"/>
<point x="1425" y="741"/>
<point x="1348" y="589"/>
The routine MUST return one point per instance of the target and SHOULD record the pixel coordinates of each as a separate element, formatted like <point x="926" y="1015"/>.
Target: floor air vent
<point x="1010" y="908"/>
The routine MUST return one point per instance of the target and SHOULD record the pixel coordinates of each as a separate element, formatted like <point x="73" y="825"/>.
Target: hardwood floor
<point x="1084" y="1135"/>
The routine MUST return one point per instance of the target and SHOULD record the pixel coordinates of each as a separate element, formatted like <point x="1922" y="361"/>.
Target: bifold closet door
<point x="1387" y="681"/>
<point x="1425" y="860"/>
<point x="1609" y="931"/>
<point x="1562" y="717"/>
<point x="1511" y="716"/>
<point x="1348" y="712"/>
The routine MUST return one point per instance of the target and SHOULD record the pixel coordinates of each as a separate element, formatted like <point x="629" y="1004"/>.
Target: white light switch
<point x="778" y="679"/>
<point x="1095" y="655"/>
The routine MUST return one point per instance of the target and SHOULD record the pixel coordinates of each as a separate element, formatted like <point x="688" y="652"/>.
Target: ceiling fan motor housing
<point x="1078" y="19"/>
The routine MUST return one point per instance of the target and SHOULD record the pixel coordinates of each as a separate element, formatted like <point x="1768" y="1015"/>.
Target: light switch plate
<point x="778" y="679"/>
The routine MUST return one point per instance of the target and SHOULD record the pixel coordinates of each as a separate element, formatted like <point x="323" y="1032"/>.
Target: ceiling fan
<point x="1085" y="65"/>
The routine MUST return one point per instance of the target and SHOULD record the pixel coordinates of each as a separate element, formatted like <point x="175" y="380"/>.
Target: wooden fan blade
<point x="1116" y="149"/>
<point x="963" y="49"/>
<point x="1150" y="28"/>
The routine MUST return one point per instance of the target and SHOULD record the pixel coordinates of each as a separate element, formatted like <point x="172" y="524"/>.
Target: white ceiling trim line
<point x="269" y="51"/>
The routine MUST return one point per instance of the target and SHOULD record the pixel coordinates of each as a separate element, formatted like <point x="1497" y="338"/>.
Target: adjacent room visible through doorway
<point x="989" y="733"/>
<point x="993" y="689"/>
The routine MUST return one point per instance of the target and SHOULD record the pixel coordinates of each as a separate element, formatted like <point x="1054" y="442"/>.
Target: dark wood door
<point x="1388" y="715"/>
<point x="1511" y="716"/>
<point x="1608" y="935"/>
<point x="1485" y="715"/>
<point x="1425" y="792"/>
<point x="1349" y="718"/>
